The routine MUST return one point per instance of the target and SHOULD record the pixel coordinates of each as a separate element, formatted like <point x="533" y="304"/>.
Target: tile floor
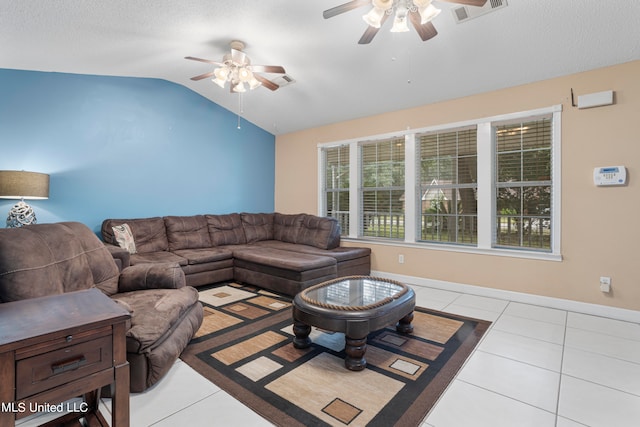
<point x="536" y="366"/>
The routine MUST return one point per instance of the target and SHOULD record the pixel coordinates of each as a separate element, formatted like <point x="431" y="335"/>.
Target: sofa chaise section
<point x="350" y="261"/>
<point x="282" y="271"/>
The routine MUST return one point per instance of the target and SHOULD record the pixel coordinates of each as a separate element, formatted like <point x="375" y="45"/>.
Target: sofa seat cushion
<point x="346" y="253"/>
<point x="286" y="260"/>
<point x="148" y="369"/>
<point x="201" y="256"/>
<point x="341" y="253"/>
<point x="282" y="271"/>
<point x="207" y="266"/>
<point x="155" y="313"/>
<point x="160" y="256"/>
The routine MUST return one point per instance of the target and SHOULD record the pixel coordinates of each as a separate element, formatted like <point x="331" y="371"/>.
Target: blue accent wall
<point x="121" y="147"/>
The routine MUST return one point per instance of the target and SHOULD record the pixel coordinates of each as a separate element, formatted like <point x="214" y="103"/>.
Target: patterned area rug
<point x="245" y="347"/>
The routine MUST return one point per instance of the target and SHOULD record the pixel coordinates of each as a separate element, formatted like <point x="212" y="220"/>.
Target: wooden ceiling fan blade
<point x="266" y="83"/>
<point x="330" y="13"/>
<point x="208" y="61"/>
<point x="268" y="69"/>
<point x="202" y="76"/>
<point x="425" y="31"/>
<point x="371" y="32"/>
<point x="368" y="35"/>
<point x="478" y="3"/>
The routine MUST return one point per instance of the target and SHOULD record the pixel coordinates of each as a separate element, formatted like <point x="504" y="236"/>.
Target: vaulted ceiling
<point x="335" y="78"/>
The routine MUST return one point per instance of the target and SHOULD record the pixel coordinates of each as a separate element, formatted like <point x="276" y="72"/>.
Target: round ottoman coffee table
<point x="356" y="306"/>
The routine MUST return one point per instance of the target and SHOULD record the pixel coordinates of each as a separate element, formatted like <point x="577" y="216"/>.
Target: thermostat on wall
<point x="610" y="175"/>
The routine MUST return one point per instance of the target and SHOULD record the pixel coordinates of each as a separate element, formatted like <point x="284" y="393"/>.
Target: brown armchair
<point x="45" y="259"/>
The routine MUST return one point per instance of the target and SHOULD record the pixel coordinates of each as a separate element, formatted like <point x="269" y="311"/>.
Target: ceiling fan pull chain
<point x="240" y="108"/>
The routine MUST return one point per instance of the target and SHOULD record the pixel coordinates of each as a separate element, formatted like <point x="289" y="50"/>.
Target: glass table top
<point x="354" y="292"/>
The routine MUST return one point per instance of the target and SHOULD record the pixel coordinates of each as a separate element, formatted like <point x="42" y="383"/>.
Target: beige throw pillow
<point x="124" y="237"/>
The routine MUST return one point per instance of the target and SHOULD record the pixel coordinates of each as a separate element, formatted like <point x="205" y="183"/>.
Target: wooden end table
<point x="58" y="347"/>
<point x="355" y="305"/>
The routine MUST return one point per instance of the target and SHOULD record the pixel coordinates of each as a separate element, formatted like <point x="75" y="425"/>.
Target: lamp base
<point x="21" y="214"/>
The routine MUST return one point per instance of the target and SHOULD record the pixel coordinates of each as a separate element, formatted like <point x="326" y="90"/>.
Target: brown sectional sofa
<point x="284" y="253"/>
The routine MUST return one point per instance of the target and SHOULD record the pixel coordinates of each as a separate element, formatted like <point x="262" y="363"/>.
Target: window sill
<point x="512" y="253"/>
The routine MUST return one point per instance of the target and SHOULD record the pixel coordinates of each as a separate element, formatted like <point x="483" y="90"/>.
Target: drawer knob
<point x="69" y="338"/>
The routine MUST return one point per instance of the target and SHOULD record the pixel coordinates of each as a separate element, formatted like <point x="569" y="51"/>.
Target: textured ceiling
<point x="335" y="78"/>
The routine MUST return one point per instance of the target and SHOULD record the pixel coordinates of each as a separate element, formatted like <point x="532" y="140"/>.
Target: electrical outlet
<point x="605" y="284"/>
<point x="401" y="259"/>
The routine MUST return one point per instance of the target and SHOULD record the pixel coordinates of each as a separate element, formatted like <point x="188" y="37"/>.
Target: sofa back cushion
<point x="48" y="259"/>
<point x="149" y="234"/>
<point x="257" y="226"/>
<point x="286" y="228"/>
<point x="321" y="232"/>
<point x="187" y="232"/>
<point x="226" y="229"/>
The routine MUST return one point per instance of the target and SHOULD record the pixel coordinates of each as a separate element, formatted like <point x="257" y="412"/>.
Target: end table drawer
<point x="47" y="370"/>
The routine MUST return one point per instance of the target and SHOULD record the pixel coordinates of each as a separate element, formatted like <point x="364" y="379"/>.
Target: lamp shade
<point x="24" y="185"/>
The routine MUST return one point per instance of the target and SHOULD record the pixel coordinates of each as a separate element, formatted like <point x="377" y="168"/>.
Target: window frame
<point x="486" y="150"/>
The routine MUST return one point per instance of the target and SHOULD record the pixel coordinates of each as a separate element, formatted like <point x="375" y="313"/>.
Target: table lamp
<point x="23" y="185"/>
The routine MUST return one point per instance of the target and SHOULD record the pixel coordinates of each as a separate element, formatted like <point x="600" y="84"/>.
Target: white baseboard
<point x="561" y="304"/>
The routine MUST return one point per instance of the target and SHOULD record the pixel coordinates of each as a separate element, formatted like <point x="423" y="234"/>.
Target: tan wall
<point x="600" y="225"/>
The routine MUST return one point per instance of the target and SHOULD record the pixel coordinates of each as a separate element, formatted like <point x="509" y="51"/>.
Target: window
<point x="523" y="184"/>
<point x="488" y="186"/>
<point x="336" y="184"/>
<point x="382" y="188"/>
<point x="447" y="193"/>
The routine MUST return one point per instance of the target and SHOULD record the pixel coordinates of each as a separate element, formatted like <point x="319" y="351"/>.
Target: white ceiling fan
<point x="236" y="68"/>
